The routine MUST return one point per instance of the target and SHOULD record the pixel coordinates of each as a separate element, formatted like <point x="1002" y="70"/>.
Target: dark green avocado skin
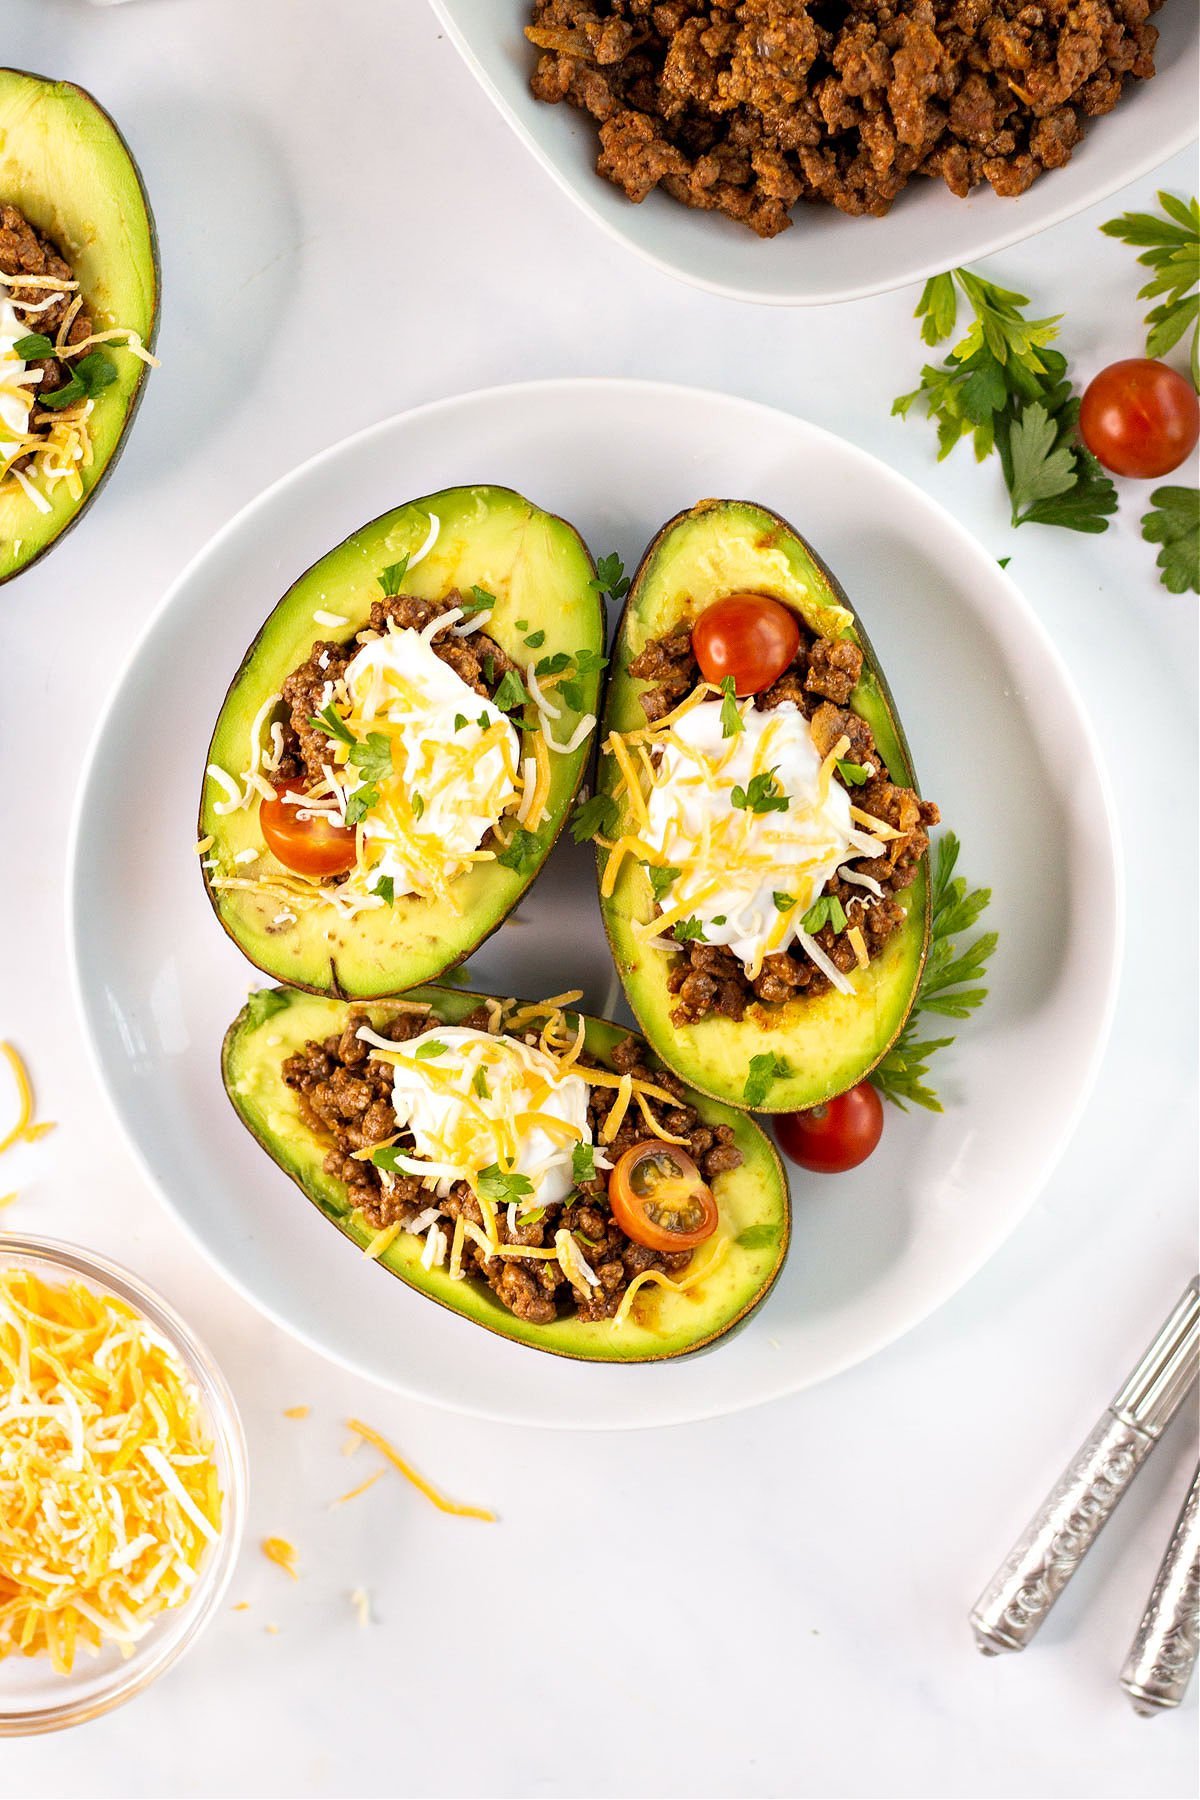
<point x="65" y="164"/>
<point x="753" y="1200"/>
<point x="831" y="1042"/>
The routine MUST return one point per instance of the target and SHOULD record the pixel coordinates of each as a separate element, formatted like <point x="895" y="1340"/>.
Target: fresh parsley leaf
<point x="1174" y="523"/>
<point x="96" y="372"/>
<point x="480" y="601"/>
<point x="390" y="578"/>
<point x="427" y="1051"/>
<point x="331" y="723"/>
<point x="717" y="919"/>
<point x="689" y="930"/>
<point x="783" y="902"/>
<point x="479" y="1082"/>
<point x="764" y="1069"/>
<point x="598" y="816"/>
<point x="944" y="988"/>
<point x="264" y="1003"/>
<point x="493" y="1184"/>
<point x="34" y="348"/>
<point x="418" y="805"/>
<point x="385" y="887"/>
<point x="552" y="665"/>
<point x="489" y="669"/>
<point x="484" y="722"/>
<point x="536" y="639"/>
<point x="589" y="662"/>
<point x="1042" y="468"/>
<point x="731" y="719"/>
<point x="571" y="693"/>
<point x="511" y="693"/>
<point x="63" y="396"/>
<point x="522" y="853"/>
<point x="762" y="795"/>
<point x="460" y="722"/>
<point x="387" y="1156"/>
<point x="1172" y="252"/>
<point x="522" y="624"/>
<point x="372" y="756"/>
<point x="583" y="1163"/>
<point x="825" y="911"/>
<point x="610" y="577"/>
<point x="853" y="774"/>
<point x="756" y="1237"/>
<point x="661" y="878"/>
<point x="360" y="803"/>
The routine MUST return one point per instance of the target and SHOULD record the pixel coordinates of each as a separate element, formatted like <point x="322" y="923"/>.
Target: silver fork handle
<point x="1163" y="1653"/>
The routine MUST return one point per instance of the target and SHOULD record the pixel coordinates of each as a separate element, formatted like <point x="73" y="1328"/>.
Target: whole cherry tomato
<point x="836" y="1136"/>
<point x="1139" y="418"/>
<point x="749" y="636"/>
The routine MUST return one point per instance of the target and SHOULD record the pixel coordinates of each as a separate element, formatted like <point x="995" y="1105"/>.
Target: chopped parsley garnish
<point x="536" y="639"/>
<point x="763" y="795"/>
<point x="360" y="803"/>
<point x="900" y="1077"/>
<point x="480" y="601"/>
<point x="828" y="910"/>
<point x="511" y="692"/>
<point x="330" y="722"/>
<point x="372" y="756"/>
<point x="34" y="348"/>
<point x="522" y="853"/>
<point x="1003" y="387"/>
<point x="583" y="662"/>
<point x="493" y="1184"/>
<point x="264" y="1003"/>
<point x="385" y="887"/>
<point x="583" y="1163"/>
<point x="756" y="1237"/>
<point x="387" y="1156"/>
<point x="731" y="719"/>
<point x="1172" y="254"/>
<point x="764" y="1069"/>
<point x="661" y="878"/>
<point x="552" y="665"/>
<point x="88" y="376"/>
<point x="1174" y="523"/>
<point x="460" y="722"/>
<point x="390" y="578"/>
<point x="783" y="902"/>
<point x="689" y="931"/>
<point x="610" y="577"/>
<point x="853" y="774"/>
<point x="522" y="624"/>
<point x="597" y="816"/>
<point x="418" y="805"/>
<point x="484" y="722"/>
<point x="489" y="669"/>
<point x="426" y="1052"/>
<point x="479" y="1082"/>
<point x="717" y="919"/>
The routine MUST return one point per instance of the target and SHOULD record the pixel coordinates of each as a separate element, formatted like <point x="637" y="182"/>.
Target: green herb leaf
<point x="783" y="902"/>
<point x="480" y="1083"/>
<point x="479" y="601"/>
<point x="689" y="930"/>
<point x="331" y="723"/>
<point x="63" y="396"/>
<point x="583" y="1163"/>
<point x="387" y="1157"/>
<point x="522" y="624"/>
<point x="360" y="803"/>
<point x="489" y="669"/>
<point x="589" y="662"/>
<point x="493" y="1184"/>
<point x="96" y="372"/>
<point x="853" y="774"/>
<point x="1042" y="468"/>
<point x="731" y="719"/>
<point x="511" y="693"/>
<point x="661" y="878"/>
<point x="484" y="722"/>
<point x="762" y="795"/>
<point x="764" y="1070"/>
<point x="385" y="887"/>
<point x="598" y="816"/>
<point x="536" y="639"/>
<point x="610" y="577"/>
<point x="522" y="853"/>
<point x="460" y="721"/>
<point x="418" y="805"/>
<point x="552" y="665"/>
<point x="1172" y="251"/>
<point x="427" y="1051"/>
<point x="34" y="348"/>
<point x="390" y="578"/>
<point x="825" y="911"/>
<point x="372" y="756"/>
<point x="264" y="1003"/>
<point x="756" y="1237"/>
<point x="1174" y="522"/>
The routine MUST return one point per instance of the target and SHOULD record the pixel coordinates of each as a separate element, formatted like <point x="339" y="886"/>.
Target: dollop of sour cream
<point x="14" y="399"/>
<point x="472" y="1098"/>
<point x="446" y="792"/>
<point x="734" y="861"/>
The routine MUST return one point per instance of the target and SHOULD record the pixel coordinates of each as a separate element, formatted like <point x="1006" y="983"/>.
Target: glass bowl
<point x="33" y="1697"/>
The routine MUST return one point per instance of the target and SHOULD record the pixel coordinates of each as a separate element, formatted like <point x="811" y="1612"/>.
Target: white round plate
<point x="998" y="737"/>
<point x="826" y="256"/>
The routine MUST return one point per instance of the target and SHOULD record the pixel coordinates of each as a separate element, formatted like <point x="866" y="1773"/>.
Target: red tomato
<point x="1139" y="418"/>
<point x="747" y="636"/>
<point x="307" y="846"/>
<point x="659" y="1197"/>
<point x="834" y="1137"/>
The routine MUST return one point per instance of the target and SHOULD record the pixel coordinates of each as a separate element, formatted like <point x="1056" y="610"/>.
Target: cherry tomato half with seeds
<point x="307" y="845"/>
<point x="1139" y="418"/>
<point x="749" y="636"/>
<point x="660" y="1199"/>
<point x="837" y="1136"/>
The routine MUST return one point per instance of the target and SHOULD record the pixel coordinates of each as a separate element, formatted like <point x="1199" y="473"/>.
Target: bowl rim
<point x="138" y="1672"/>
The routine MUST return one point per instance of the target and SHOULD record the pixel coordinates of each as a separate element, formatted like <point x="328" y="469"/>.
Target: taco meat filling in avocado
<point x="853" y="913"/>
<point x="583" y="1263"/>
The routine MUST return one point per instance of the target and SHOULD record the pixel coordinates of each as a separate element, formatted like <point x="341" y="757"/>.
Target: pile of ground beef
<point x="709" y="978"/>
<point x="478" y="660"/>
<point x="344" y="1095"/>
<point x="23" y="251"/>
<point x="747" y="106"/>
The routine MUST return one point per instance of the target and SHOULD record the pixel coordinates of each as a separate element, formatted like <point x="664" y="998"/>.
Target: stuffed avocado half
<point x="521" y="1226"/>
<point x="400" y="746"/>
<point x="762" y="854"/>
<point x="78" y="270"/>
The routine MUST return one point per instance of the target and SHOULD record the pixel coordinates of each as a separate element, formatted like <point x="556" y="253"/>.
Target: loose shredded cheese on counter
<point x="109" y="1496"/>
<point x="26" y="1130"/>
<point x="284" y="1555"/>
<point x="418" y="1481"/>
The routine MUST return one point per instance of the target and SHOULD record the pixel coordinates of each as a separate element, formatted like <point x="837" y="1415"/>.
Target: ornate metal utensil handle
<point x="1163" y="1654"/>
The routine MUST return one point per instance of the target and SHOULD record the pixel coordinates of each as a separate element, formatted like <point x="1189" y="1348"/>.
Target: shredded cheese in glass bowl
<point x="122" y="1486"/>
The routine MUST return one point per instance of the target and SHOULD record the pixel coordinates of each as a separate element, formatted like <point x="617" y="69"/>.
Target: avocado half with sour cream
<point x="66" y="167"/>
<point x="752" y="1200"/>
<point x="832" y="1041"/>
<point x="540" y="572"/>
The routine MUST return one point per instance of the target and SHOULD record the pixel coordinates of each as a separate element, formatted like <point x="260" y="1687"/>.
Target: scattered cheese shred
<point x="360" y="1600"/>
<point x="25" y="1130"/>
<point x="360" y="1489"/>
<point x="296" y="1412"/>
<point x="279" y="1551"/>
<point x="109" y="1495"/>
<point x="418" y="1481"/>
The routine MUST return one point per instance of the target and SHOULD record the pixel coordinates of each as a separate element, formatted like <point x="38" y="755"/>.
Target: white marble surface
<point x="810" y="1638"/>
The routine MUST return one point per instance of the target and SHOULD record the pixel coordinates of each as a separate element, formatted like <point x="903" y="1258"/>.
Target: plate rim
<point x="76" y="909"/>
<point x="1124" y="176"/>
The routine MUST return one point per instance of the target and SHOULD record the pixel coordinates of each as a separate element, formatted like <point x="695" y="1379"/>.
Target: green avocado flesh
<point x="753" y="1199"/>
<point x="64" y="164"/>
<point x="833" y="1040"/>
<point x="540" y="572"/>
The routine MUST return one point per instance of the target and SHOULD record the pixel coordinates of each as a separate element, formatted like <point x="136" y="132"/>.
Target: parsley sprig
<point x="945" y="982"/>
<point x="762" y="794"/>
<point x="1172" y="250"/>
<point x="597" y="816"/>
<point x="1004" y="387"/>
<point x="610" y="577"/>
<point x="1174" y="522"/>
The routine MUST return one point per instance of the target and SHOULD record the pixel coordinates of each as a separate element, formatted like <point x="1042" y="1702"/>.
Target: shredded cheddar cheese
<point x="109" y="1496"/>
<point x="283" y="1554"/>
<point x="26" y="1130"/>
<point x="422" y="1486"/>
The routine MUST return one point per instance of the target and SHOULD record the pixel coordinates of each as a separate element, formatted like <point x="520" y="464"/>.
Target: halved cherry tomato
<point x="1139" y="418"/>
<point x="837" y="1136"/>
<point x="659" y="1197"/>
<point x="748" y="636"/>
<point x="307" y="846"/>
